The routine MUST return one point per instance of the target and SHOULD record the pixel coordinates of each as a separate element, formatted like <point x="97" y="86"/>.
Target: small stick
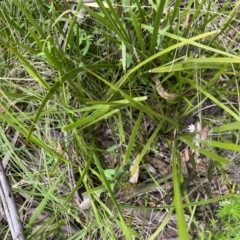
<point x="7" y="198"/>
<point x="9" y="206"/>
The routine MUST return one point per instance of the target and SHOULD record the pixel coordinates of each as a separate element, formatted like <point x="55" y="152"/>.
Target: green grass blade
<point x="221" y="145"/>
<point x="132" y="102"/>
<point x="67" y="77"/>
<point x="162" y="225"/>
<point x="51" y="59"/>
<point x="122" y="224"/>
<point x="29" y="17"/>
<point x="227" y="127"/>
<point x="167" y="50"/>
<point x="215" y="100"/>
<point x="145" y="149"/>
<point x="159" y="15"/>
<point x="132" y="138"/>
<point x="29" y="68"/>
<point x="205" y="152"/>
<point x="103" y="113"/>
<point x="138" y="32"/>
<point x="43" y="203"/>
<point x="181" y="222"/>
<point x="187" y="66"/>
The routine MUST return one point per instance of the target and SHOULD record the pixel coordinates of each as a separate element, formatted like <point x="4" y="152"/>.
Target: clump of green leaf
<point x="229" y="217"/>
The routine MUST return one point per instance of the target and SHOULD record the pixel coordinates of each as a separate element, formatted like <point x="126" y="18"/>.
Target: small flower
<point x="191" y="128"/>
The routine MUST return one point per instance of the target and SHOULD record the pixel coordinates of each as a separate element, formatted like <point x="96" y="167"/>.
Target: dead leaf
<point x="134" y="178"/>
<point x="86" y="203"/>
<point x="163" y="93"/>
<point x="163" y="167"/>
<point x="59" y="148"/>
<point x="186" y="154"/>
<point x="204" y="133"/>
<point x="150" y="168"/>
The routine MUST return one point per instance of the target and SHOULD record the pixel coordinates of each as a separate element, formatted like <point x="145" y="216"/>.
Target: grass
<point x="114" y="101"/>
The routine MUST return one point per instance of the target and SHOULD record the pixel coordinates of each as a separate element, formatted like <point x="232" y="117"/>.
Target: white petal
<point x="191" y="128"/>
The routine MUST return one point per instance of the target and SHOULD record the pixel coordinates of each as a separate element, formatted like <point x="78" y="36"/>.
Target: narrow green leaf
<point x="156" y="24"/>
<point x="66" y="77"/>
<point x="146" y="148"/>
<point x="21" y="96"/>
<point x="43" y="48"/>
<point x="202" y="46"/>
<point x="163" y="224"/>
<point x="138" y="31"/>
<point x="86" y="120"/>
<point x="29" y="17"/>
<point x="43" y="203"/>
<point x="115" y="19"/>
<point x="205" y="152"/>
<point x="132" y="102"/>
<point x="124" y="57"/>
<point x="30" y="69"/>
<point x="225" y="145"/>
<point x="187" y="66"/>
<point x="181" y="222"/>
<point x="18" y="126"/>
<point x="227" y="127"/>
<point x="122" y="224"/>
<point x="104" y="116"/>
<point x="167" y="50"/>
<point x="132" y="138"/>
<point x="215" y="100"/>
<point x="194" y="43"/>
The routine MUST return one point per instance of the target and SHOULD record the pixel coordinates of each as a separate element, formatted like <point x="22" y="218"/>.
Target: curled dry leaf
<point x="86" y="203"/>
<point x="134" y="178"/>
<point x="186" y="154"/>
<point x="163" y="93"/>
<point x="59" y="148"/>
<point x="163" y="167"/>
<point x="204" y="133"/>
<point x="198" y="130"/>
<point x="150" y="168"/>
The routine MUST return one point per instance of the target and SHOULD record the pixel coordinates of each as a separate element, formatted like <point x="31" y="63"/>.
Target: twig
<point x="7" y="198"/>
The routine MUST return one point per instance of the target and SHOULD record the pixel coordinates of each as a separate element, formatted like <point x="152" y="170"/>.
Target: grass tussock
<point x="128" y="118"/>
